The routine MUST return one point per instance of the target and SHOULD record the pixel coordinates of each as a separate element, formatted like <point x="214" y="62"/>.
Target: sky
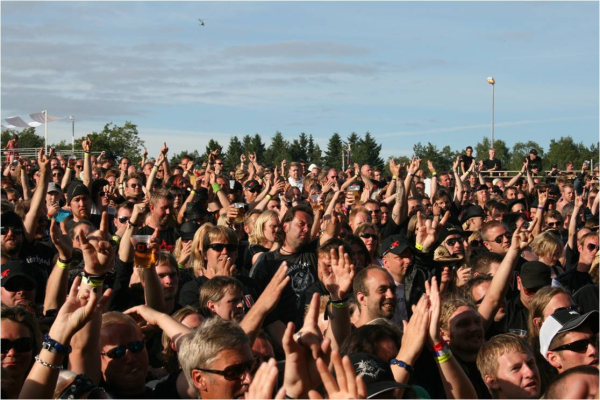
<point x="406" y="72"/>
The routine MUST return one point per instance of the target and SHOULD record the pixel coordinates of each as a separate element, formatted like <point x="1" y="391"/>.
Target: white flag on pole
<point x="19" y="123"/>
<point x="39" y="117"/>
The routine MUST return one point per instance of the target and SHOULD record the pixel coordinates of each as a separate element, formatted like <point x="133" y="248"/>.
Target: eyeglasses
<point x="78" y="166"/>
<point x="579" y="346"/>
<point x="376" y="211"/>
<point x="21" y="345"/>
<point x="16" y="231"/>
<point x="591" y="247"/>
<point x="500" y="238"/>
<point x="218" y="247"/>
<point x="369" y="236"/>
<point x="235" y="372"/>
<point x="552" y="224"/>
<point x="218" y="163"/>
<point x="56" y="174"/>
<point x="122" y="219"/>
<point x="453" y="241"/>
<point x="118" y="352"/>
<point x="531" y="292"/>
<point x="102" y="194"/>
<point x="135" y="185"/>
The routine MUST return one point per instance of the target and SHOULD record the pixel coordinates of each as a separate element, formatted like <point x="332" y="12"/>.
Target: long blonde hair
<point x="196" y="258"/>
<point x="258" y="235"/>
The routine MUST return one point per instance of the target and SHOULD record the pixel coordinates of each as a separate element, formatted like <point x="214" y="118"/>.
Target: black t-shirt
<point x="466" y="160"/>
<point x="470" y="368"/>
<point x="489" y="164"/>
<point x="166" y="238"/>
<point x="39" y="259"/>
<point x="587" y="298"/>
<point x="190" y="293"/>
<point x="94" y="219"/>
<point x="573" y="280"/>
<point x="516" y="314"/>
<point x="302" y="270"/>
<point x="572" y="256"/>
<point x="249" y="252"/>
<point x="166" y="388"/>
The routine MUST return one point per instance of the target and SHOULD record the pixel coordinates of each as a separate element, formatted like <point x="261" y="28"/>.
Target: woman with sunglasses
<point x="264" y="236"/>
<point x="369" y="234"/>
<point x="21" y="341"/>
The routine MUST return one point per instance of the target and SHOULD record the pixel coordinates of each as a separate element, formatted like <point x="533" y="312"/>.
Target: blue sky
<point x="407" y="72"/>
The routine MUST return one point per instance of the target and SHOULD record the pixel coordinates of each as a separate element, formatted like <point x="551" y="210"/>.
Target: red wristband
<point x="439" y="346"/>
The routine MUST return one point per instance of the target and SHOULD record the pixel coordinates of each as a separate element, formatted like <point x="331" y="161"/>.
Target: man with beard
<point x="462" y="329"/>
<point x="79" y="200"/>
<point x="397" y="257"/>
<point x="375" y="292"/>
<point x="507" y="365"/>
<point x="161" y="208"/>
<point x="18" y="285"/>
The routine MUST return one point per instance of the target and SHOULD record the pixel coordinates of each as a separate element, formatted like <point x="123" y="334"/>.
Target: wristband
<point x="402" y="364"/>
<point x="92" y="282"/>
<point x="268" y="196"/>
<point x="116" y="239"/>
<point x="444" y="358"/>
<point x="45" y="364"/>
<point x="54" y="347"/>
<point x="155" y="169"/>
<point x="340" y="305"/>
<point x="419" y="246"/>
<point x="439" y="346"/>
<point x="356" y="176"/>
<point x="86" y="154"/>
<point x="540" y="208"/>
<point x="193" y="192"/>
<point x="395" y="177"/>
<point x="180" y="266"/>
<point x="520" y="173"/>
<point x="434" y="174"/>
<point x="63" y="264"/>
<point x="216" y="187"/>
<point x="411" y="174"/>
<point x="132" y="223"/>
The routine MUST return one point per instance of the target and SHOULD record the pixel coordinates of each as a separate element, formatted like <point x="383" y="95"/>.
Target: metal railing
<point x="30" y="152"/>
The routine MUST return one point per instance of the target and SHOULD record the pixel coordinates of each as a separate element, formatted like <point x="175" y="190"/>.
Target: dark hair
<point x="334" y="244"/>
<point x="367" y="338"/>
<point x="359" y="286"/>
<point x="481" y="262"/>
<point x="474" y="282"/>
<point x="556" y="388"/>
<point x="291" y="213"/>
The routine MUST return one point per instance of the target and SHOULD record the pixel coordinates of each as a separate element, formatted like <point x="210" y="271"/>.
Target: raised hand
<point x="463" y="274"/>
<point x="164" y="149"/>
<point x="521" y="239"/>
<point x="345" y="384"/>
<point x="430" y="166"/>
<point x="456" y="164"/>
<point x="338" y="278"/>
<point x="394" y="168"/>
<point x="98" y="254"/>
<point x="264" y="382"/>
<point x="415" y="331"/>
<point x="242" y="158"/>
<point x="61" y="241"/>
<point x="272" y="293"/>
<point x="86" y="144"/>
<point x="432" y="290"/>
<point x="252" y="157"/>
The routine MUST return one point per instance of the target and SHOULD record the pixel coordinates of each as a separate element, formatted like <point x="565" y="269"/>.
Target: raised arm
<point x="66" y="180"/>
<point x="86" y="144"/>
<point x="24" y="180"/>
<point x="174" y="329"/>
<point x="460" y="189"/>
<point x="433" y="187"/>
<point x="153" y="293"/>
<point x="38" y="200"/>
<point x="530" y="182"/>
<point x="572" y="238"/>
<point x="517" y="176"/>
<point x="166" y="166"/>
<point x="539" y="215"/>
<point x="58" y="281"/>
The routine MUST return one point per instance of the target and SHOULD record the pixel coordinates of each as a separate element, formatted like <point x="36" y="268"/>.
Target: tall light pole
<point x="492" y="82"/>
<point x="72" y="118"/>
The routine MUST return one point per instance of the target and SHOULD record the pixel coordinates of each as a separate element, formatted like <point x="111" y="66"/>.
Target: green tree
<point x="259" y="148"/>
<point x="119" y="141"/>
<point x="333" y="154"/>
<point x="210" y="147"/>
<point x="234" y="151"/>
<point x="299" y="148"/>
<point x="315" y="156"/>
<point x="520" y="151"/>
<point x="27" y="138"/>
<point x="565" y="149"/>
<point x="277" y="151"/>
<point x="502" y="151"/>
<point x="194" y="155"/>
<point x="367" y="152"/>
<point x="442" y="160"/>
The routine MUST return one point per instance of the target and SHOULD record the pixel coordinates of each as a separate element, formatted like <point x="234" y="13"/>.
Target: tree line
<point x="124" y="141"/>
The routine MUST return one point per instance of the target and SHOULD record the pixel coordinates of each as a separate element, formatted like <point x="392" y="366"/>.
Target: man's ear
<point x="554" y="359"/>
<point x="445" y="335"/>
<point x="486" y="243"/>
<point x="286" y="227"/>
<point x="519" y="286"/>
<point x="360" y="297"/>
<point x="211" y="306"/>
<point x="199" y="380"/>
<point x="491" y="382"/>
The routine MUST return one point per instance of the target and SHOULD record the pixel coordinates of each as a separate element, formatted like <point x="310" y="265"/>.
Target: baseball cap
<point x="481" y="187"/>
<point x="312" y="166"/>
<point x="533" y="151"/>
<point x="535" y="274"/>
<point x="54" y="187"/>
<point x="16" y="270"/>
<point x="376" y="374"/>
<point x="553" y="189"/>
<point x="564" y="320"/>
<point x="252" y="185"/>
<point x="12" y="219"/>
<point x="471" y="212"/>
<point x="449" y="230"/>
<point x="395" y="244"/>
<point x="188" y="230"/>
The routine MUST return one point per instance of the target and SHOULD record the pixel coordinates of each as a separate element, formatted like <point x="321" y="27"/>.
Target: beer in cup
<point x="143" y="257"/>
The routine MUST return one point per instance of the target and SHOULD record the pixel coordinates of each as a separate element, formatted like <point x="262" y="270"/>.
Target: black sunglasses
<point x="218" y="247"/>
<point x="375" y="211"/>
<point x="122" y="219"/>
<point x="19" y="283"/>
<point x="254" y="190"/>
<point x="78" y="166"/>
<point x="592" y="247"/>
<point x="579" y="346"/>
<point x="552" y="224"/>
<point x="369" y="236"/>
<point x="118" y="352"/>
<point x="500" y="238"/>
<point x="16" y="231"/>
<point x="21" y="345"/>
<point x="235" y="372"/>
<point x="453" y="241"/>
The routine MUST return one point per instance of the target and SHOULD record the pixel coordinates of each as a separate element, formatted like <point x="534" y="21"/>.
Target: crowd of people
<point x="159" y="280"/>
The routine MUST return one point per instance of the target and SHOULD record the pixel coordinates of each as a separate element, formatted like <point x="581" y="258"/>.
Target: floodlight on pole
<point x="492" y="82"/>
<point x="72" y="118"/>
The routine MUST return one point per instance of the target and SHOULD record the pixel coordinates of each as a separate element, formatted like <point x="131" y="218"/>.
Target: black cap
<point x="481" y="187"/>
<point x="553" y="189"/>
<point x="14" y="269"/>
<point x="450" y="230"/>
<point x="535" y="274"/>
<point x="517" y="201"/>
<point x="188" y="230"/>
<point x="12" y="219"/>
<point x="533" y="151"/>
<point x="194" y="211"/>
<point x="202" y="194"/>
<point x="471" y="212"/>
<point x="395" y="244"/>
<point x="554" y="165"/>
<point x="376" y="374"/>
<point x="77" y="188"/>
<point x="252" y="185"/>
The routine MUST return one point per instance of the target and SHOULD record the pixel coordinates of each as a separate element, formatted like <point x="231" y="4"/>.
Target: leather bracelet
<point x="132" y="224"/>
<point x="402" y="364"/>
<point x="54" y="347"/>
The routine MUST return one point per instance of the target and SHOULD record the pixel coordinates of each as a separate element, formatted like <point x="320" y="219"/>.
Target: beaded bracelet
<point x="45" y="364"/>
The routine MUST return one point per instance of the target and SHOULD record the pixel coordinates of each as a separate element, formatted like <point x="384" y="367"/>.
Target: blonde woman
<point x="369" y="234"/>
<point x="195" y="262"/>
<point x="549" y="249"/>
<point x="264" y="236"/>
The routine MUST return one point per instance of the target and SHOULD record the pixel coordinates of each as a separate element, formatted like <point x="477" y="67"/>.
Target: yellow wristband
<point x="155" y="169"/>
<point x="86" y="154"/>
<point x="419" y="246"/>
<point x="444" y="358"/>
<point x="193" y="192"/>
<point x="62" y="265"/>
<point x="269" y="196"/>
<point x="92" y="282"/>
<point x="434" y="174"/>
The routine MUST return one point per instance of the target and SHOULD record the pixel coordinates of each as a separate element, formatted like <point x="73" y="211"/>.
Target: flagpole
<point x="46" y="130"/>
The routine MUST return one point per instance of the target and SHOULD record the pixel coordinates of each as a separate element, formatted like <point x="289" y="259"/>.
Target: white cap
<point x="312" y="166"/>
